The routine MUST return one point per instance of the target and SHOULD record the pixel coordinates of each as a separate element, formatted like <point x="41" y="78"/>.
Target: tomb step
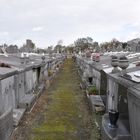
<point x="119" y="133"/>
<point x="17" y="115"/>
<point x="27" y="101"/>
<point x="97" y="104"/>
<point x="96" y="100"/>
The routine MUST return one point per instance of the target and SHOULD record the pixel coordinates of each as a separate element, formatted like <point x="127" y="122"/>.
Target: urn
<point x="123" y="64"/>
<point x="113" y="117"/>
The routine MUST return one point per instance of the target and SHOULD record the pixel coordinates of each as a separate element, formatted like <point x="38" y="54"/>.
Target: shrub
<point x="50" y="73"/>
<point x="92" y="90"/>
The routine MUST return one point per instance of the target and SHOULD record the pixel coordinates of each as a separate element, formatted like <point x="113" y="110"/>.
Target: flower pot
<point x="123" y="64"/>
<point x="113" y="117"/>
<point x="114" y="61"/>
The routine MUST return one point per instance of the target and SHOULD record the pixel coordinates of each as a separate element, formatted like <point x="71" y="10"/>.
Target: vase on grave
<point x="113" y="117"/>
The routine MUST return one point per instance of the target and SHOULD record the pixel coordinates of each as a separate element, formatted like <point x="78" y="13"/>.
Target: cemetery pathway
<point x="61" y="113"/>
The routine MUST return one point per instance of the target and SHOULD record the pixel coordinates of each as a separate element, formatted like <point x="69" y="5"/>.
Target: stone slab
<point x="96" y="103"/>
<point x="27" y="101"/>
<point x="99" y="109"/>
<point x="6" y="125"/>
<point x="17" y="115"/>
<point x="96" y="100"/>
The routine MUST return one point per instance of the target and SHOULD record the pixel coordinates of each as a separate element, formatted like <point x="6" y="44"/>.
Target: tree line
<point x="79" y="45"/>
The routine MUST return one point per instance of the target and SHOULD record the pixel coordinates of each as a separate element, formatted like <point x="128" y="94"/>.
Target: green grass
<point x="61" y="120"/>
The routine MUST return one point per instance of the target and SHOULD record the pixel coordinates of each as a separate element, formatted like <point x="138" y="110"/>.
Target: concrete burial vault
<point x="22" y="80"/>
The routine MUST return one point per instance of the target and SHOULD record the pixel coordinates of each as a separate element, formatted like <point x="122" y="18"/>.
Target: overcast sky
<point x="47" y="21"/>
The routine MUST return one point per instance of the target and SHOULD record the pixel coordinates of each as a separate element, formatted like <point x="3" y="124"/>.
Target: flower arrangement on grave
<point x="92" y="90"/>
<point x="50" y="72"/>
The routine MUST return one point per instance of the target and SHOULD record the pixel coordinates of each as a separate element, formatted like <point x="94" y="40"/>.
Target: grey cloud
<point x="67" y="20"/>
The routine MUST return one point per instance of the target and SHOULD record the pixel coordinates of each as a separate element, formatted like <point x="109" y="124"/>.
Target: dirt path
<point x="61" y="113"/>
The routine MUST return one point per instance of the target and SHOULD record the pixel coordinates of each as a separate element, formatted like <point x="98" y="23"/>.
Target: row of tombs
<point x="22" y="80"/>
<point x="113" y="87"/>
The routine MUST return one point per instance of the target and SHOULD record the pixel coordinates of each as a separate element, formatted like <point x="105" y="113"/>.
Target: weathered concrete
<point x="64" y="113"/>
<point x="119" y="97"/>
<point x="134" y="111"/>
<point x="119" y="133"/>
<point x="6" y="124"/>
<point x="17" y="115"/>
<point x="27" y="101"/>
<point x="18" y="84"/>
<point x="96" y="103"/>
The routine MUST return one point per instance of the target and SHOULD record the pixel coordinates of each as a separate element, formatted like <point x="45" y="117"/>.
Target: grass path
<point x="61" y="113"/>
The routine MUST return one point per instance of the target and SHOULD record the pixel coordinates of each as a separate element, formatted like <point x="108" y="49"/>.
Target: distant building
<point x="134" y="45"/>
